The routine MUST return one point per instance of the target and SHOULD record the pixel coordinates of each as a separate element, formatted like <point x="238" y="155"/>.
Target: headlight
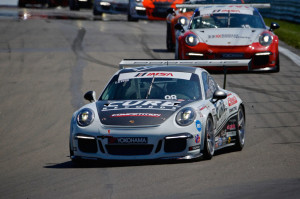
<point x="185" y="117"/>
<point x="191" y="40"/>
<point x="183" y="21"/>
<point x="265" y="39"/>
<point x="85" y="117"/>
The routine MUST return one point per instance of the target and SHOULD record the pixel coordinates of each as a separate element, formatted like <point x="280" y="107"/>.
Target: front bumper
<point x="263" y="58"/>
<point x="173" y="146"/>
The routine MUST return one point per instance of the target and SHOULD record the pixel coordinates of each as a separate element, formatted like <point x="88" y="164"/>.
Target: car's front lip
<point x="255" y="51"/>
<point x="158" y="147"/>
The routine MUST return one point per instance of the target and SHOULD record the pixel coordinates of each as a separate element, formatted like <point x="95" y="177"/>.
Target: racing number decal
<point x="173" y="97"/>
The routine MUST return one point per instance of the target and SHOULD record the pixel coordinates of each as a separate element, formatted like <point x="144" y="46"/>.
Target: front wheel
<point x="240" y="129"/>
<point x="209" y="139"/>
<point x="96" y="12"/>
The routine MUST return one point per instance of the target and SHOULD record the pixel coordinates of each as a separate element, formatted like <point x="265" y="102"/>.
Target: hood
<point x="137" y="112"/>
<point x="228" y="36"/>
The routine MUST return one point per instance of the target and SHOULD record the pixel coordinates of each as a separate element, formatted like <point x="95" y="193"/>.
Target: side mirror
<point x="178" y="26"/>
<point x="90" y="96"/>
<point x="218" y="95"/>
<point x="274" y="26"/>
<point x="171" y="11"/>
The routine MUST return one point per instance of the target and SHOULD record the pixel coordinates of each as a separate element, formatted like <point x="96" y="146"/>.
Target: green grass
<point x="288" y="32"/>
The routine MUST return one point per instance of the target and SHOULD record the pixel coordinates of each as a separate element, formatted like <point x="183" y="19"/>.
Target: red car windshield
<point x="227" y="20"/>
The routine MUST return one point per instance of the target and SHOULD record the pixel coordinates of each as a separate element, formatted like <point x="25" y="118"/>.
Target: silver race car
<point x="161" y="109"/>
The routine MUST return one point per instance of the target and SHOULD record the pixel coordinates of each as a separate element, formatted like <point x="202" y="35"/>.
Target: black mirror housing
<point x="170" y="11"/>
<point x="274" y="26"/>
<point x="178" y="26"/>
<point x="219" y="95"/>
<point x="90" y="96"/>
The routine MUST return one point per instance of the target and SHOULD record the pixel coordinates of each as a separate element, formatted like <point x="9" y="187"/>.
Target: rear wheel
<point x="209" y="139"/>
<point x="240" y="129"/>
<point x="96" y="12"/>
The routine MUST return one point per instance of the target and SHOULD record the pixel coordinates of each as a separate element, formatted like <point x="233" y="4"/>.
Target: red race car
<point x="150" y="9"/>
<point x="183" y="16"/>
<point x="230" y="32"/>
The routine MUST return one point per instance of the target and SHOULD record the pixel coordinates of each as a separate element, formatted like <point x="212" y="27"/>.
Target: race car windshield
<point x="153" y="88"/>
<point x="227" y="20"/>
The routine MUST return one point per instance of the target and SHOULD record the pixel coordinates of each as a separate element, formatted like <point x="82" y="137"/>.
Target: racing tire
<point x="96" y="12"/>
<point x="132" y="19"/>
<point x="209" y="139"/>
<point x="170" y="45"/>
<point x="240" y="130"/>
<point x="277" y="68"/>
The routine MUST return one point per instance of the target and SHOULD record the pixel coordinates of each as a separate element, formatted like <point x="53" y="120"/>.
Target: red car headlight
<point x="265" y="39"/>
<point x="191" y="40"/>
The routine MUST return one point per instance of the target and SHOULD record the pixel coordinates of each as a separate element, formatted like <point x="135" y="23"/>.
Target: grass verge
<point x="288" y="32"/>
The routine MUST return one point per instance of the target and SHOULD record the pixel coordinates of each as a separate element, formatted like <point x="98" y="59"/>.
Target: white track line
<point x="295" y="58"/>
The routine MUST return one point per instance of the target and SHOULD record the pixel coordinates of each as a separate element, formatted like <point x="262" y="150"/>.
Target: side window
<point x="210" y="85"/>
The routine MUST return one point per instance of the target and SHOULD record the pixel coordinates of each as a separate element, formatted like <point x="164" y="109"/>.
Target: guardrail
<point x="288" y="10"/>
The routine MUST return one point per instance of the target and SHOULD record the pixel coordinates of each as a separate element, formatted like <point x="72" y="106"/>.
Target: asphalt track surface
<point x="48" y="63"/>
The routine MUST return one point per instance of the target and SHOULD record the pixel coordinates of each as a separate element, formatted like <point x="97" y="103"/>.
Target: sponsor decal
<point x="192" y="148"/>
<point x="127" y="140"/>
<point x="203" y="107"/>
<point x="227" y="36"/>
<point x="232" y="109"/>
<point x="164" y="74"/>
<point x="229" y="140"/>
<point x="231" y="127"/>
<point x="140" y="104"/>
<point x="198" y="125"/>
<point x="197" y="139"/>
<point x="108" y="131"/>
<point x="232" y="101"/>
<point x="220" y="142"/>
<point x="136" y="115"/>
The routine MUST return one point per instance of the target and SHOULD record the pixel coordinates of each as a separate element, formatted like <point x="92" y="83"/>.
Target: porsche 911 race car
<point x="160" y="109"/>
<point x="110" y="7"/>
<point x="230" y="32"/>
<point x="150" y="9"/>
<point x="183" y="16"/>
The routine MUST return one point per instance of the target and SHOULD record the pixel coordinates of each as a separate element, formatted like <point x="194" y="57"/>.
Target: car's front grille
<point x="87" y="145"/>
<point x="175" y="145"/>
<point x="141" y="12"/>
<point x="121" y="9"/>
<point x="261" y="60"/>
<point x="144" y="149"/>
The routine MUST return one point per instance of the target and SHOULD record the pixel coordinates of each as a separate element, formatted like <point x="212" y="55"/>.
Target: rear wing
<point x="255" y="5"/>
<point x="193" y="63"/>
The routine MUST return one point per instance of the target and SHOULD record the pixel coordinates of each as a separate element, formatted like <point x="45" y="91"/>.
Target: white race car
<point x="161" y="110"/>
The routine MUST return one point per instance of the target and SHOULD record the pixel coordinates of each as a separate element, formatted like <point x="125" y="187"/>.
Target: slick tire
<point x="240" y="129"/>
<point x="209" y="139"/>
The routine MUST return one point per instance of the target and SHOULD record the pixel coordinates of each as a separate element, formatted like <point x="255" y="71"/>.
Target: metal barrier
<point x="288" y="10"/>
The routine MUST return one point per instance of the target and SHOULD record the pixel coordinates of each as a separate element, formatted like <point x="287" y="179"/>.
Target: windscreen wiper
<point x="150" y="88"/>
